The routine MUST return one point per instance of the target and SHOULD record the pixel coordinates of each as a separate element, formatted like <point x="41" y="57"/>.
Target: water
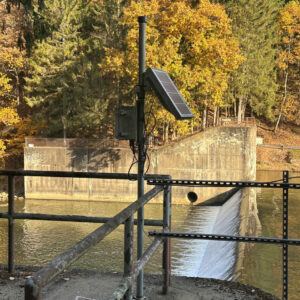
<point x="263" y="262"/>
<point x="38" y="242"/>
<point x="224" y="253"/>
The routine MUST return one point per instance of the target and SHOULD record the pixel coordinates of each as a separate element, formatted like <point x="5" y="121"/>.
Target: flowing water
<point x="38" y="242"/>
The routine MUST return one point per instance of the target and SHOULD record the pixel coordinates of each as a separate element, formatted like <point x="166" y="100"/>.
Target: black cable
<point x="134" y="158"/>
<point x="147" y="156"/>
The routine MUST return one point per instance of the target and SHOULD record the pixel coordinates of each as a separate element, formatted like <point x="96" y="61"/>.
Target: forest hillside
<point x="67" y="65"/>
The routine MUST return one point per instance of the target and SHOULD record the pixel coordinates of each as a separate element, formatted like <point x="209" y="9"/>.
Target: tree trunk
<point x="204" y="118"/>
<point x="219" y="115"/>
<point x="18" y="88"/>
<point x="234" y="109"/>
<point x="166" y="134"/>
<point x="63" y="120"/>
<point x="283" y="102"/>
<point x="241" y="109"/>
<point x="174" y="135"/>
<point x="215" y="116"/>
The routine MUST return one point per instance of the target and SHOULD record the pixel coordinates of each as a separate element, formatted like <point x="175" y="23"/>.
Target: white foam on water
<point x="210" y="259"/>
<point x="189" y="253"/>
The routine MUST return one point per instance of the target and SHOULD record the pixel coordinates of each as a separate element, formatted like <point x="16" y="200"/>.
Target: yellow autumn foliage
<point x="193" y="43"/>
<point x="5" y="87"/>
<point x="8" y="116"/>
<point x="289" y="60"/>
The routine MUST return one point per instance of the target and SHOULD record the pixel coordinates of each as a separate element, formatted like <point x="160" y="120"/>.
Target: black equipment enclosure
<point x="168" y="93"/>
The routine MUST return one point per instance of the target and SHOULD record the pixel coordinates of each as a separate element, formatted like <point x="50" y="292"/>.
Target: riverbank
<point x="98" y="285"/>
<point x="278" y="159"/>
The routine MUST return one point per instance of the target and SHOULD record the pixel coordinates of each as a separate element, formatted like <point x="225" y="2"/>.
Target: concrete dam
<point x="227" y="153"/>
<point x="222" y="153"/>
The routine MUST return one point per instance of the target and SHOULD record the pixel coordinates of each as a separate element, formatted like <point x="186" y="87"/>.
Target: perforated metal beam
<point x="222" y="183"/>
<point x="228" y="238"/>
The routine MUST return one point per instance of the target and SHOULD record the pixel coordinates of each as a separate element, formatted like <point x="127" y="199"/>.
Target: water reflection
<point x="263" y="262"/>
<point x="38" y="242"/>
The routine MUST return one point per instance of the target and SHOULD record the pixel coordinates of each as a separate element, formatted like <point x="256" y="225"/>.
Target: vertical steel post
<point x="141" y="143"/>
<point x="167" y="243"/>
<point x="11" y="193"/>
<point x="285" y="198"/>
<point x="128" y="253"/>
<point x="32" y="291"/>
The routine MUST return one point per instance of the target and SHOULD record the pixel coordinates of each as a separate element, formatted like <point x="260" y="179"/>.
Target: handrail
<point x="72" y="218"/>
<point x="164" y="183"/>
<point x="126" y="282"/>
<point x="34" y="285"/>
<point x="121" y="176"/>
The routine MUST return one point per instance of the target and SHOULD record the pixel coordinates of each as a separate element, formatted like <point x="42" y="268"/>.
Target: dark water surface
<point x="38" y="242"/>
<point x="263" y="262"/>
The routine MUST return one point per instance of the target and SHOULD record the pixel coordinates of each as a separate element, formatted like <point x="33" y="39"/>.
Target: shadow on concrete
<point x="91" y="159"/>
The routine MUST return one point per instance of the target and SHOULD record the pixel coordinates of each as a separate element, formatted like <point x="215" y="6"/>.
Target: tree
<point x="13" y="62"/>
<point x="13" y="66"/>
<point x="254" y="82"/>
<point x="64" y="84"/>
<point x="289" y="63"/>
<point x="192" y="42"/>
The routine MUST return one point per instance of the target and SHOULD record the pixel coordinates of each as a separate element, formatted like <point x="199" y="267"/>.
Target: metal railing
<point x="233" y="121"/>
<point x="284" y="241"/>
<point x="35" y="284"/>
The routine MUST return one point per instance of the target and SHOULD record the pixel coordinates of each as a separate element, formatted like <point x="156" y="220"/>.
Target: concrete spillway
<point x="210" y="259"/>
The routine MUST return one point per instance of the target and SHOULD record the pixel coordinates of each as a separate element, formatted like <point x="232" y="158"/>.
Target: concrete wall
<point x="226" y="153"/>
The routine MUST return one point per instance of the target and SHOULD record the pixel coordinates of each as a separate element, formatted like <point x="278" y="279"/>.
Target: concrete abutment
<point x="221" y="153"/>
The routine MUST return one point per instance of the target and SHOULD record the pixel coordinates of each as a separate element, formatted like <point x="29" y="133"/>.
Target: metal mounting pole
<point x="141" y="154"/>
<point x="167" y="242"/>
<point x="11" y="234"/>
<point x="128" y="253"/>
<point x="285" y="235"/>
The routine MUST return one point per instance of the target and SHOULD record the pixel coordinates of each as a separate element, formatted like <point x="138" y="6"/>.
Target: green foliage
<point x="254" y="24"/>
<point x="64" y="84"/>
<point x="288" y="100"/>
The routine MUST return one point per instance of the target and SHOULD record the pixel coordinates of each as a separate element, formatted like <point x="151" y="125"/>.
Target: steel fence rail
<point x="121" y="176"/>
<point x="227" y="238"/>
<point x="34" y="285"/>
<point x="71" y="218"/>
<point x="223" y="183"/>
<point x="128" y="281"/>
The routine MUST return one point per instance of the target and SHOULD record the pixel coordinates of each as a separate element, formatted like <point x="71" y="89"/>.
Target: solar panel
<point x="168" y="93"/>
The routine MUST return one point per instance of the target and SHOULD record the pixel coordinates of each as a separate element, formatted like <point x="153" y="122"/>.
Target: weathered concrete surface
<point x="249" y="226"/>
<point x="98" y="286"/>
<point x="224" y="153"/>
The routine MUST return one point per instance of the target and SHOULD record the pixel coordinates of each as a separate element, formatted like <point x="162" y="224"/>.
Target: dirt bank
<point x="96" y="285"/>
<point x="278" y="159"/>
